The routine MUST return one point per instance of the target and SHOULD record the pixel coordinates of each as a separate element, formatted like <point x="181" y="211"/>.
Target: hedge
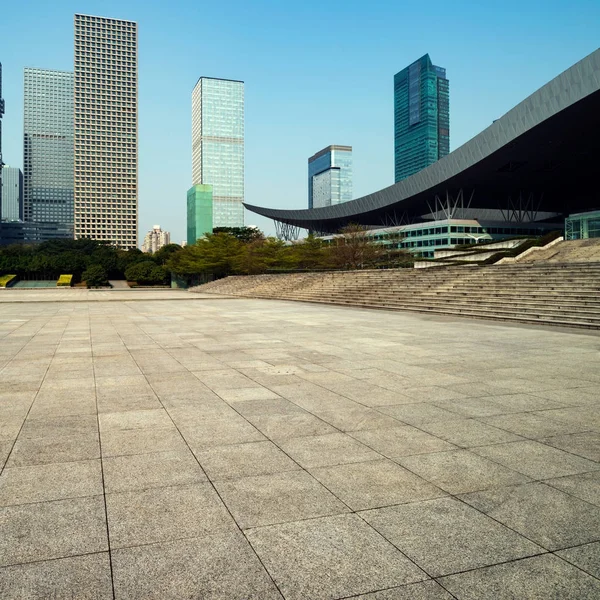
<point x="6" y="279"/>
<point x="64" y="281"/>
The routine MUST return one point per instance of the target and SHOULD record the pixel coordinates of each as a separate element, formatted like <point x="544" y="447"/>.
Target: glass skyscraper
<point x="48" y="148"/>
<point x="106" y="127"/>
<point x="421" y="117"/>
<point x="1" y="113"/>
<point x="199" y="212"/>
<point x="330" y="176"/>
<point x="12" y="194"/>
<point x="218" y="146"/>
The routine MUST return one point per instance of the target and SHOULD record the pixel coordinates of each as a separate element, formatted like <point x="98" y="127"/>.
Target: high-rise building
<point x="155" y="239"/>
<point x="218" y="146"/>
<point x="48" y="148"/>
<point x="421" y="117"/>
<point x="330" y="176"/>
<point x="1" y="163"/>
<point x="12" y="194"/>
<point x="106" y="123"/>
<point x="199" y="212"/>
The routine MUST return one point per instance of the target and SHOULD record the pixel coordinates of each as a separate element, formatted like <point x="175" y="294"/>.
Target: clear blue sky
<point x="316" y="73"/>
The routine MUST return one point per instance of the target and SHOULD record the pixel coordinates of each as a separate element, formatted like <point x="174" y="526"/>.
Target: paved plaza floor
<point x="164" y="447"/>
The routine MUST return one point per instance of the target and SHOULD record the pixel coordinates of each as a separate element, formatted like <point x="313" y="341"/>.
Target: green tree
<point x="162" y="256"/>
<point x="354" y="249"/>
<point x="95" y="276"/>
<point x="146" y="273"/>
<point x="311" y="253"/>
<point x="244" y="234"/>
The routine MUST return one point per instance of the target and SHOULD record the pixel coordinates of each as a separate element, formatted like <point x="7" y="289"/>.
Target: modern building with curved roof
<point x="534" y="165"/>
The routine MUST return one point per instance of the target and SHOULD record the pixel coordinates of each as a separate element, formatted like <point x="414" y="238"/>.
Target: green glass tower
<point x="199" y="212"/>
<point x="421" y="117"/>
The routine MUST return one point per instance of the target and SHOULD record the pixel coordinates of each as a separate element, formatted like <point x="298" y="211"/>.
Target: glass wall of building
<point x="421" y="117"/>
<point x="12" y="194"/>
<point x="330" y="176"/>
<point x="48" y="148"/>
<point x="218" y="146"/>
<point x="582" y="226"/>
<point x="199" y="212"/>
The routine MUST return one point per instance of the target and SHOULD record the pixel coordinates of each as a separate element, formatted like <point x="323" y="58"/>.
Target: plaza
<point x="163" y="444"/>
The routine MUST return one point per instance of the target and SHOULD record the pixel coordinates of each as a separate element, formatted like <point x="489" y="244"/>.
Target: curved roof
<point x="547" y="145"/>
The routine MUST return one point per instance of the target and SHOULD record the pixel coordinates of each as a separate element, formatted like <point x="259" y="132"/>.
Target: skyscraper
<point x="218" y="146"/>
<point x="48" y="148"/>
<point x="12" y="194"/>
<point x="330" y="176"/>
<point x="106" y="157"/>
<point x="421" y="117"/>
<point x="199" y="212"/>
<point x="1" y="163"/>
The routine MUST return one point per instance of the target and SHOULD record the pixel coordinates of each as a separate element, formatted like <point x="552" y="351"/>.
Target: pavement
<point x="163" y="447"/>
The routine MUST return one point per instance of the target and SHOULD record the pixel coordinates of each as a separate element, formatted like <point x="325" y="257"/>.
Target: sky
<point x="315" y="73"/>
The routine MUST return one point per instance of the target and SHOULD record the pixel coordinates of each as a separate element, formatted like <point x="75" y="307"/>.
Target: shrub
<point x="95" y="276"/>
<point x="64" y="281"/>
<point x="146" y="273"/>
<point x="6" y="279"/>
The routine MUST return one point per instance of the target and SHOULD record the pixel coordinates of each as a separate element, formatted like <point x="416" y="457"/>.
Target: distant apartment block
<point x="421" y="117"/>
<point x="330" y="176"/>
<point x="155" y="239"/>
<point x="48" y="149"/>
<point x="199" y="212"/>
<point x="218" y="146"/>
<point x="106" y="123"/>
<point x="12" y="194"/>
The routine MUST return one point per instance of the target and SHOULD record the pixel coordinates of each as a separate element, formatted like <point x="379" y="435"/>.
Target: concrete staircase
<point x="541" y="292"/>
<point x="568" y="252"/>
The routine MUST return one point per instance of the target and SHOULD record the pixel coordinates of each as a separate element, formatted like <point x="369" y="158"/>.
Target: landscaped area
<point x="162" y="444"/>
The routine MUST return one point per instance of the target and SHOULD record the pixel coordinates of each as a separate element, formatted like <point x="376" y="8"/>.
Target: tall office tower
<point x="330" y="176"/>
<point x="218" y="146"/>
<point x="48" y="148"/>
<point x="106" y="156"/>
<point x="1" y="163"/>
<point x="421" y="117"/>
<point x="155" y="239"/>
<point x="12" y="194"/>
<point x="199" y="212"/>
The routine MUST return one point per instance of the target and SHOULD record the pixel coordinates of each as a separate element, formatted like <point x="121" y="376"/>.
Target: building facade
<point x="330" y="176"/>
<point x="106" y="128"/>
<point x="1" y="114"/>
<point x="200" y="216"/>
<point x="421" y="117"/>
<point x="48" y="148"/>
<point x="12" y="194"/>
<point x="155" y="239"/>
<point x="218" y="146"/>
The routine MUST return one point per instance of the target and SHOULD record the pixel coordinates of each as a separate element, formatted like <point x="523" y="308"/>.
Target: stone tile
<point x="536" y="460"/>
<point x="586" y="445"/>
<point x="585" y="486"/>
<point x="332" y="449"/>
<point x="467" y="433"/>
<point x="404" y="440"/>
<point x="531" y="425"/>
<point x="539" y="577"/>
<point x="143" y="471"/>
<point x="37" y="451"/>
<point x="244" y="394"/>
<point x="82" y="577"/>
<point x="60" y="426"/>
<point x="586" y="557"/>
<point x="418" y="414"/>
<point x="214" y="567"/>
<point x="375" y="483"/>
<point x="35" y="532"/>
<point x="333" y="557"/>
<point x="163" y="514"/>
<point x="357" y="418"/>
<point x="446" y="536"/>
<point x="425" y="590"/>
<point x="132" y="402"/>
<point x="290" y="425"/>
<point x="41" y="483"/>
<point x="5" y="448"/>
<point x="198" y="413"/>
<point x="545" y="515"/>
<point x="42" y="409"/>
<point x="220" y="432"/>
<point x="134" y="419"/>
<point x="461" y="471"/>
<point x="244" y="460"/>
<point x="277" y="498"/>
<point x="142" y="441"/>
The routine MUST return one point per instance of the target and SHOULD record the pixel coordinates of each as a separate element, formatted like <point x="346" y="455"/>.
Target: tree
<point x="354" y="249"/>
<point x="162" y="256"/>
<point x="95" y="276"/>
<point x="261" y="255"/>
<point x="244" y="234"/>
<point x="310" y="253"/>
<point x="146" y="273"/>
